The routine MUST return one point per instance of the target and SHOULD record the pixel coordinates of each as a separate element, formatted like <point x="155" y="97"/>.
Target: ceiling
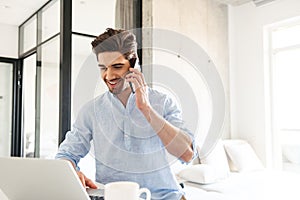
<point x="15" y="12"/>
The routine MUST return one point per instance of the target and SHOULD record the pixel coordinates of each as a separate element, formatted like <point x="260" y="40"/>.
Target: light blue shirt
<point x="126" y="147"/>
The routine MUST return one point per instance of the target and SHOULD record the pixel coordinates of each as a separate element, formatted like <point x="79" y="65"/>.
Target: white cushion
<point x="242" y="155"/>
<point x="217" y="159"/>
<point x="199" y="173"/>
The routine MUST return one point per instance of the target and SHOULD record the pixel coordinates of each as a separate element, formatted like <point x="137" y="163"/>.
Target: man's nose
<point x="110" y="74"/>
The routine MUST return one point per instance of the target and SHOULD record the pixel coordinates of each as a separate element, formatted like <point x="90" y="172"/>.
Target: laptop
<point x="36" y="179"/>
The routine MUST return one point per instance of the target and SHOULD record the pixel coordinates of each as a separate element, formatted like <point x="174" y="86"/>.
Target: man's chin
<point x="114" y="91"/>
<point x="117" y="91"/>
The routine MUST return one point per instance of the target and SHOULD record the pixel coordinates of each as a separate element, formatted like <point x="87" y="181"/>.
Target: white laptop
<point x="36" y="179"/>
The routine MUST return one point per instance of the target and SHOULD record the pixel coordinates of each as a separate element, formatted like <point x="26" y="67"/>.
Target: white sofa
<point x="232" y="171"/>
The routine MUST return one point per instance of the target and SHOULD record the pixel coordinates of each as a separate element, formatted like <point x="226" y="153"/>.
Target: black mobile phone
<point x="132" y="64"/>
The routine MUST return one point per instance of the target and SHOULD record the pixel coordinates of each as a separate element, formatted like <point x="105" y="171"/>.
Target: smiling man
<point x="132" y="130"/>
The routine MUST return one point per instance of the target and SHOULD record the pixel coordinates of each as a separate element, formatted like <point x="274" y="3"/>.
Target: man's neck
<point x="123" y="96"/>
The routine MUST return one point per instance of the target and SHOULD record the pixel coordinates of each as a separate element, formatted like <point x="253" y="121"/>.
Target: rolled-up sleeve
<point x="77" y="142"/>
<point x="173" y="114"/>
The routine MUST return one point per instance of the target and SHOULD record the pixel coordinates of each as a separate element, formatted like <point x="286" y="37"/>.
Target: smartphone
<point x="132" y="64"/>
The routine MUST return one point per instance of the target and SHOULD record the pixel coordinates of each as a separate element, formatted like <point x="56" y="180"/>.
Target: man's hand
<point x="86" y="182"/>
<point x="141" y="93"/>
<point x="176" y="141"/>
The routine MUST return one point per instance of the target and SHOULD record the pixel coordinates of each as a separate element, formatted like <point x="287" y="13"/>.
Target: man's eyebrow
<point x="115" y="64"/>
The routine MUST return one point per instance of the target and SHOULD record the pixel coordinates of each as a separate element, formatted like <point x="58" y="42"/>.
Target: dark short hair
<point x="119" y="40"/>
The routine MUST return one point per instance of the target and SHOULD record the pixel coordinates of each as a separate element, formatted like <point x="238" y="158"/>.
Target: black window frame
<point x="65" y="34"/>
<point x="16" y="136"/>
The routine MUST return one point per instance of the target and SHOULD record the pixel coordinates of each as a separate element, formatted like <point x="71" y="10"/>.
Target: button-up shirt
<point x="125" y="146"/>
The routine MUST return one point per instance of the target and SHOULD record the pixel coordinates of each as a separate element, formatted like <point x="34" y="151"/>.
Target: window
<point x="6" y="76"/>
<point x="50" y="20"/>
<point x="29" y="102"/>
<point x="47" y="69"/>
<point x="28" y="35"/>
<point x="285" y="86"/>
<point x="40" y="51"/>
<point x="49" y="99"/>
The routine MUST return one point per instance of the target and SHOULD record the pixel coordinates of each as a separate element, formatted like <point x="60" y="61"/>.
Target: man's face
<point x="113" y="68"/>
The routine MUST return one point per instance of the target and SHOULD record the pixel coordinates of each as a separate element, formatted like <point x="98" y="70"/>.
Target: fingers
<point x="90" y="183"/>
<point x="136" y="71"/>
<point x="86" y="182"/>
<point x="81" y="178"/>
<point x="137" y="78"/>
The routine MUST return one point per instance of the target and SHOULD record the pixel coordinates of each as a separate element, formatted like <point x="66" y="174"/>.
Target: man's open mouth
<point x="114" y="82"/>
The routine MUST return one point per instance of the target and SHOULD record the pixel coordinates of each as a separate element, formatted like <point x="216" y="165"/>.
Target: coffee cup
<point x="125" y="190"/>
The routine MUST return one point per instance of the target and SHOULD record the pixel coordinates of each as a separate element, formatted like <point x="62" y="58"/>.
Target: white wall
<point x="204" y="22"/>
<point x="9" y="41"/>
<point x="247" y="75"/>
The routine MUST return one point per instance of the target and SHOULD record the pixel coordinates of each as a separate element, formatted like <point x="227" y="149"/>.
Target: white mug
<point x="125" y="190"/>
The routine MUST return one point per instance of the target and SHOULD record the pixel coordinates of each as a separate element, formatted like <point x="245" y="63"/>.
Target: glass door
<point x="6" y="79"/>
<point x="29" y="105"/>
<point x="40" y="118"/>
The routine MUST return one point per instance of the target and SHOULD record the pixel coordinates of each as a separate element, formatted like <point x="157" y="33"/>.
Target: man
<point x="131" y="125"/>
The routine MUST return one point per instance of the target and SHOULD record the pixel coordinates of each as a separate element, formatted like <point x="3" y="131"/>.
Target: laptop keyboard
<point x="95" y="194"/>
<point x="96" y="198"/>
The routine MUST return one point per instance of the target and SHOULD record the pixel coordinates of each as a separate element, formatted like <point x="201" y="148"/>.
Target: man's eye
<point x="118" y="66"/>
<point x="102" y="68"/>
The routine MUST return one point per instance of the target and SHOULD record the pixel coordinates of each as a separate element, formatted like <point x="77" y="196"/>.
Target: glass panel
<point x="84" y="64"/>
<point x="6" y="71"/>
<point x="50" y="20"/>
<point x="287" y="66"/>
<point x="28" y="35"/>
<point x="93" y="16"/>
<point x="286" y="36"/>
<point x="49" y="99"/>
<point x="287" y="97"/>
<point x="29" y="86"/>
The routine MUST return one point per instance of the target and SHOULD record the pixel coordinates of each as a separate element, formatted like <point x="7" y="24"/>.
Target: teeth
<point x="112" y="82"/>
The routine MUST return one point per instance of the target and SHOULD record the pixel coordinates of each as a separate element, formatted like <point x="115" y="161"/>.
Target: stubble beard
<point x="121" y="87"/>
